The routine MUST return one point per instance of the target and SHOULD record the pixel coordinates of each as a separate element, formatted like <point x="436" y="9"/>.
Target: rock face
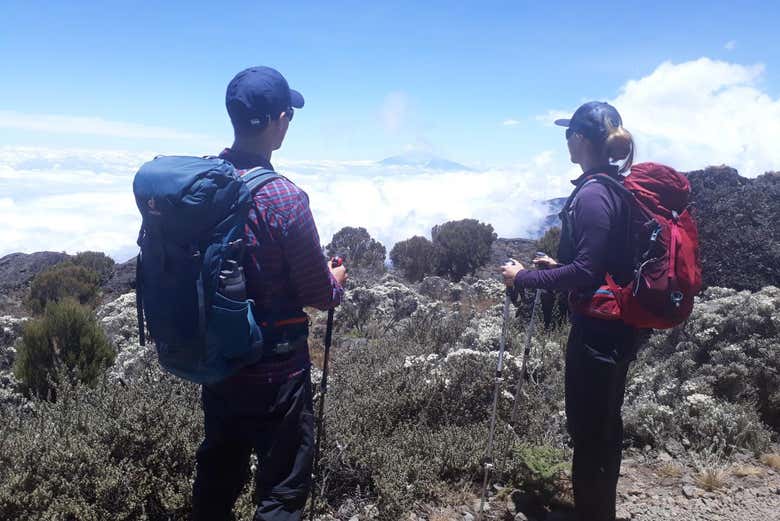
<point x="739" y="227"/>
<point x="16" y="272"/>
<point x="122" y="281"/>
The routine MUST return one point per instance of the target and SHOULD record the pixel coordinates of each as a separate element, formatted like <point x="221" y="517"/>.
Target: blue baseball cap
<point x="258" y="94"/>
<point x="592" y="120"/>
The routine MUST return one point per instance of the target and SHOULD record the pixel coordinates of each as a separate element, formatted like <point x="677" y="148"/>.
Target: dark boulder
<point x="739" y="227"/>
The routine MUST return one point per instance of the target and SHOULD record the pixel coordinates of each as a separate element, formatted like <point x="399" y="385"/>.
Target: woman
<point x="594" y="239"/>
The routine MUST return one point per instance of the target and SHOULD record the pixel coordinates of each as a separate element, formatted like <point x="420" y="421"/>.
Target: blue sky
<point x="90" y="90"/>
<point x="456" y="70"/>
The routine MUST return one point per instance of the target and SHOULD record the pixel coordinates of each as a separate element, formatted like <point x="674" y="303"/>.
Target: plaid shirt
<point x="284" y="265"/>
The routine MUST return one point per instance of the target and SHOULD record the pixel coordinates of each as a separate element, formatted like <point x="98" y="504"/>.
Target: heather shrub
<point x="408" y="416"/>
<point x="359" y="251"/>
<point x="65" y="341"/>
<point x="64" y="281"/>
<point x="549" y="242"/>
<point x="713" y="382"/>
<point x="378" y="309"/>
<point x="414" y="257"/>
<point x="461" y="246"/>
<point x="117" y="451"/>
<point x="95" y="261"/>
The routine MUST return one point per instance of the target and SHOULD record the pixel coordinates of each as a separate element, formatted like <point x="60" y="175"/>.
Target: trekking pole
<point x="529" y="332"/>
<point x="335" y="262"/>
<point x="488" y="459"/>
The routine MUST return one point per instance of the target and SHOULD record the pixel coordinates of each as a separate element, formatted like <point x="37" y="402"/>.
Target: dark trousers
<point x="598" y="354"/>
<point x="274" y="420"/>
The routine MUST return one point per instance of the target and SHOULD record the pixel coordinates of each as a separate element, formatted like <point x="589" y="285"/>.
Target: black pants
<point x="274" y="420"/>
<point x="598" y="354"/>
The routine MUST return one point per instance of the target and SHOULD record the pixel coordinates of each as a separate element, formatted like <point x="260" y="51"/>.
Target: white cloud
<point x="699" y="113"/>
<point x="730" y="45"/>
<point x="510" y="122"/>
<point x="64" y="124"/>
<point x="82" y="200"/>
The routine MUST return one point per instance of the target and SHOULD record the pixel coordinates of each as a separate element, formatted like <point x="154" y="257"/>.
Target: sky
<point x="91" y="90"/>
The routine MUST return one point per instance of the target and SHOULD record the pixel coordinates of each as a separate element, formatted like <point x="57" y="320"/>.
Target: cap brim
<point x="296" y="99"/>
<point x="562" y="122"/>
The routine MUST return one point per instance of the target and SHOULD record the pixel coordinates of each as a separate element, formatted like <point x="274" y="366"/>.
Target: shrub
<point x="67" y="338"/>
<point x="120" y="452"/>
<point x="358" y="249"/>
<point x="414" y="257"/>
<point x="540" y="468"/>
<point x="96" y="261"/>
<point x="549" y="242"/>
<point x="462" y="246"/>
<point x="713" y="381"/>
<point x="64" y="281"/>
<point x="409" y="415"/>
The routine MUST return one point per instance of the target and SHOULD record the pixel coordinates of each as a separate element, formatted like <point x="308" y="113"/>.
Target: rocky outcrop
<point x="122" y="281"/>
<point x="739" y="227"/>
<point x="119" y="321"/>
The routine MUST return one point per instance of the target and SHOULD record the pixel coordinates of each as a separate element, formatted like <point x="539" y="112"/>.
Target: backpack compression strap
<point x="258" y="177"/>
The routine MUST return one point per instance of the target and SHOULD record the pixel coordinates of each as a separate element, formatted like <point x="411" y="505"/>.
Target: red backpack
<point x="665" y="247"/>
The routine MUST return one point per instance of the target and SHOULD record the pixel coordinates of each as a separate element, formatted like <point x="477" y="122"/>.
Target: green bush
<point x="62" y="281"/>
<point x="358" y="249"/>
<point x="408" y="417"/>
<point x="462" y="246"/>
<point x="96" y="261"/>
<point x="119" y="452"/>
<point x="66" y="339"/>
<point x="540" y="468"/>
<point x="549" y="242"/>
<point x="414" y="257"/>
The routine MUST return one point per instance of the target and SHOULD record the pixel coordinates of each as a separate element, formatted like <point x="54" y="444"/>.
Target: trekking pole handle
<point x="510" y="291"/>
<point x="336" y="261"/>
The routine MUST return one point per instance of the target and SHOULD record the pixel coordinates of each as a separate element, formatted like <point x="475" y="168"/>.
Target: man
<point x="267" y="407"/>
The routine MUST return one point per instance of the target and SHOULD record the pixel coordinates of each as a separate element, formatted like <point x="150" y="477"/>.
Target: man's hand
<point x="339" y="272"/>
<point x="509" y="271"/>
<point x="545" y="262"/>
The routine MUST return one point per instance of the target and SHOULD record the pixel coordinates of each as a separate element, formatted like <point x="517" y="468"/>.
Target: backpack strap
<point x="258" y="177"/>
<point x="139" y="297"/>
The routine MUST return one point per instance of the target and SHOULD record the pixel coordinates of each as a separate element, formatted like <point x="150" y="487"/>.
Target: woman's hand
<point x="545" y="262"/>
<point x="509" y="271"/>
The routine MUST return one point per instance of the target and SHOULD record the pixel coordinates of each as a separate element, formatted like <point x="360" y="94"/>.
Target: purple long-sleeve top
<point x="599" y="241"/>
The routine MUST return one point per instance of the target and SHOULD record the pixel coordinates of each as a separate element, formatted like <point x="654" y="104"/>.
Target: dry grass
<point x="445" y="514"/>
<point x="669" y="471"/>
<point x="711" y="479"/>
<point x="745" y="471"/>
<point x="771" y="460"/>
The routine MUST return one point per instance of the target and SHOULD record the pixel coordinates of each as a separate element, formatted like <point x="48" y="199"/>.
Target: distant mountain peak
<point x="424" y="160"/>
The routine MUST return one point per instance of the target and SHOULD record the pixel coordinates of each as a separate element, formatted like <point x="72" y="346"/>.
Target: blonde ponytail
<point x="619" y="146"/>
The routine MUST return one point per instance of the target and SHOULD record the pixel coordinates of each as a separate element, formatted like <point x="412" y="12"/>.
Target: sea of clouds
<point x="688" y="115"/>
<point x="76" y="200"/>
